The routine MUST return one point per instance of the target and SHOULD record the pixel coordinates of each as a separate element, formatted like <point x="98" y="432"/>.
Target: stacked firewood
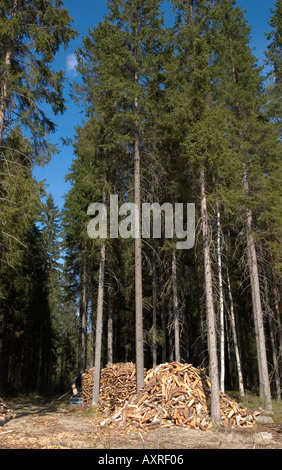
<point x="117" y="384"/>
<point x="173" y="394"/>
<point x="178" y="394"/>
<point x="5" y="413"/>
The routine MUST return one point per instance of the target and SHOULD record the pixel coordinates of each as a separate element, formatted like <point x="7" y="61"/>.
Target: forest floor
<point x="52" y="424"/>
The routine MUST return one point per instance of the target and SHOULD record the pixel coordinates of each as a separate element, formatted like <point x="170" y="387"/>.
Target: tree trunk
<point x="4" y="79"/>
<point x="175" y="308"/>
<point x="211" y="326"/>
<point x="110" y="326"/>
<point x="163" y="326"/>
<point x="265" y="393"/>
<point x="272" y="339"/>
<point x="3" y="93"/>
<point x="234" y="337"/>
<point x="138" y="253"/>
<point x="275" y="295"/>
<point x="154" y="289"/>
<point x="221" y="302"/>
<point x="99" y="327"/>
<point x="83" y="316"/>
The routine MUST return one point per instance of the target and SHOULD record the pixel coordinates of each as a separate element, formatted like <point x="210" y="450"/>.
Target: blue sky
<point x="86" y="14"/>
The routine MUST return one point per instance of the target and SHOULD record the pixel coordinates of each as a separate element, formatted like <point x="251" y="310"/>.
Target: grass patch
<point x="90" y="412"/>
<point x="252" y="402"/>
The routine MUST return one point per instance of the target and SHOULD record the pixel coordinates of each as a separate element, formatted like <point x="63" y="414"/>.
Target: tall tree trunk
<point x="211" y="326"/>
<point x="163" y="326"/>
<point x="154" y="289"/>
<point x="221" y="302"/>
<point x="110" y="325"/>
<point x="99" y="327"/>
<point x="40" y="360"/>
<point x="138" y="254"/>
<point x="83" y="316"/>
<point x="275" y="296"/>
<point x="3" y="92"/>
<point x="265" y="393"/>
<point x="175" y="308"/>
<point x="272" y="338"/>
<point x="5" y="77"/>
<point x="234" y="337"/>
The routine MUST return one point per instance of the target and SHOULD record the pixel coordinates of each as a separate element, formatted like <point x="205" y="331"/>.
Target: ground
<point x="54" y="424"/>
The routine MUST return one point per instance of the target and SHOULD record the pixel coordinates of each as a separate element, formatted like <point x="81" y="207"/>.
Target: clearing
<point x="54" y="424"/>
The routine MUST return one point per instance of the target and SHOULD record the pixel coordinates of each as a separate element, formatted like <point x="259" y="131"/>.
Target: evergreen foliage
<point x="178" y="114"/>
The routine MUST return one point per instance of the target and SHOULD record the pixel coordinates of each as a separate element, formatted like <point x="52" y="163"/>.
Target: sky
<point x="86" y="14"/>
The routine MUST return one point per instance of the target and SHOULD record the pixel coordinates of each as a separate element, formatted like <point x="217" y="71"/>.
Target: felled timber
<point x="117" y="384"/>
<point x="173" y="394"/>
<point x="179" y="394"/>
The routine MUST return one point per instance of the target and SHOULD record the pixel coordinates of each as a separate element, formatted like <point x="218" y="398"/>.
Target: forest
<point x="174" y="114"/>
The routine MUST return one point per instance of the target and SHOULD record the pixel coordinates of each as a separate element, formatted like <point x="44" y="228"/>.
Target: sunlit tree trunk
<point x="154" y="289"/>
<point x="221" y="302"/>
<point x="234" y="337"/>
<point x="265" y="393"/>
<point x="269" y="314"/>
<point x="99" y="327"/>
<point x="138" y="258"/>
<point x="110" y="325"/>
<point x="175" y="308"/>
<point x="4" y="78"/>
<point x="211" y="325"/>
<point x="83" y="316"/>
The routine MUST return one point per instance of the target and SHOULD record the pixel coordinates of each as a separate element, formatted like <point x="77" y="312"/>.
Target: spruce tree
<point x="274" y="61"/>
<point x="120" y="63"/>
<point x="238" y="86"/>
<point x="31" y="34"/>
<point x="201" y="146"/>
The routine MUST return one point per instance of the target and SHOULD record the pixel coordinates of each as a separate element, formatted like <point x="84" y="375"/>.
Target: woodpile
<point x="117" y="384"/>
<point x="179" y="394"/>
<point x="173" y="394"/>
<point x="5" y="413"/>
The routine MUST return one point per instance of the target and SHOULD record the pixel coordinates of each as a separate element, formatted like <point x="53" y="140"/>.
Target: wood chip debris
<point x="173" y="394"/>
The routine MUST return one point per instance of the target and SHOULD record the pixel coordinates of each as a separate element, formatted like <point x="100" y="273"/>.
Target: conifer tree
<point x="31" y="34"/>
<point x="238" y="85"/>
<point x="274" y="60"/>
<point x="120" y="62"/>
<point x="85" y="176"/>
<point x="201" y="145"/>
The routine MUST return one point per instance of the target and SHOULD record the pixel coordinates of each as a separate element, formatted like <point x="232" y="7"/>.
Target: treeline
<point x="180" y="114"/>
<point x="37" y="338"/>
<point x="174" y="114"/>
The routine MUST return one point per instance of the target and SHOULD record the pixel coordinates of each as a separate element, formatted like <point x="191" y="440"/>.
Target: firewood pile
<point x="117" y="384"/>
<point x="5" y="413"/>
<point x="179" y="394"/>
<point x="173" y="394"/>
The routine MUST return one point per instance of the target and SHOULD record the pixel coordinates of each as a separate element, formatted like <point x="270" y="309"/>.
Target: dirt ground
<point x="51" y="424"/>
